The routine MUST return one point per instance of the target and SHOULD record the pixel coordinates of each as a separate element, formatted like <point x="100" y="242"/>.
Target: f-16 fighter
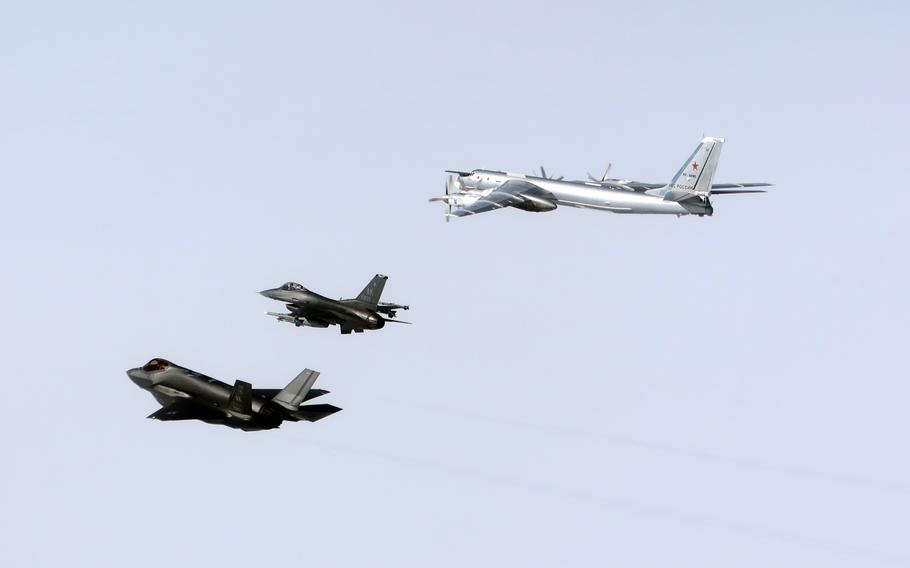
<point x="307" y="308"/>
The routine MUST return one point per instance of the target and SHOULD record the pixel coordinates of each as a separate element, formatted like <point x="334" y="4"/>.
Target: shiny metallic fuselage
<point x="583" y="195"/>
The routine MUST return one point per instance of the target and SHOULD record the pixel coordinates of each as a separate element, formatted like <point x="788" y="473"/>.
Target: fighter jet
<point x="356" y="314"/>
<point x="187" y="395"/>
<point x="688" y="192"/>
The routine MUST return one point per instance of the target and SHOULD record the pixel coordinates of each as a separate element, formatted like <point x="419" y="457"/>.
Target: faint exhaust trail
<point x="618" y="504"/>
<point x="745" y="463"/>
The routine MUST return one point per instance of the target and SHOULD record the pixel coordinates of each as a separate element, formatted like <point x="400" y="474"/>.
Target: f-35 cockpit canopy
<point x="156" y="364"/>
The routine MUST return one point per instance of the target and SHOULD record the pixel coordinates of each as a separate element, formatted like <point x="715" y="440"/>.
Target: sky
<point x="578" y="388"/>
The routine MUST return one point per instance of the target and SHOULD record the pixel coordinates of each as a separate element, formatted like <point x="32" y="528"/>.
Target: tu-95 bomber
<point x="689" y="192"/>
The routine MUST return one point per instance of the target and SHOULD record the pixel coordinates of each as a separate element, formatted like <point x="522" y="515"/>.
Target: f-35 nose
<point x="139" y="377"/>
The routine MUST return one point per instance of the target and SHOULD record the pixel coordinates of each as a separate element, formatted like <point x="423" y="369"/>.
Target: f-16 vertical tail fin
<point x="292" y="395"/>
<point x="695" y="176"/>
<point x="371" y="294"/>
<point x="241" y="401"/>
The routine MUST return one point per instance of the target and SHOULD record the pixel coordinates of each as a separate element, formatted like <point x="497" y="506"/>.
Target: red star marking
<point x="694" y="165"/>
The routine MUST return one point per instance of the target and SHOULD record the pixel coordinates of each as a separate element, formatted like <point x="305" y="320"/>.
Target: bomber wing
<point x="513" y="193"/>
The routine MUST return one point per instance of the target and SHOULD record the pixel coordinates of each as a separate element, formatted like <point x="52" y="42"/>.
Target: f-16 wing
<point x="513" y="193"/>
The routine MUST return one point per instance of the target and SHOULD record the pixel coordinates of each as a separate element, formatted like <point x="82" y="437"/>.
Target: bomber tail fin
<point x="373" y="291"/>
<point x="695" y="176"/>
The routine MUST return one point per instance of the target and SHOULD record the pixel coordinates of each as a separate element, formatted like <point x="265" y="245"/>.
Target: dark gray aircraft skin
<point x="185" y="394"/>
<point x="310" y="309"/>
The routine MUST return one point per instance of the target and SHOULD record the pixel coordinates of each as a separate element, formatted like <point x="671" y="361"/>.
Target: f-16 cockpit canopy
<point x="156" y="364"/>
<point x="293" y="287"/>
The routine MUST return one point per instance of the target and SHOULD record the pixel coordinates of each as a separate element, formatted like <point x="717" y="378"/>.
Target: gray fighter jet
<point x="187" y="395"/>
<point x="355" y="314"/>
<point x="689" y="192"/>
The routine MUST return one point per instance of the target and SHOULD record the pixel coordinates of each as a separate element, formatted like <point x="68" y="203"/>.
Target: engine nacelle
<point x="535" y="204"/>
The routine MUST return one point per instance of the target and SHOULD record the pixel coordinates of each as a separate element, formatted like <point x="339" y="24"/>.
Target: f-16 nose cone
<point x="270" y="293"/>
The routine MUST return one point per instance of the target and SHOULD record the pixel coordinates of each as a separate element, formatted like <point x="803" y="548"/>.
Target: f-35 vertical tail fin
<point x="292" y="395"/>
<point x="695" y="176"/>
<point x="241" y="401"/>
<point x="371" y="294"/>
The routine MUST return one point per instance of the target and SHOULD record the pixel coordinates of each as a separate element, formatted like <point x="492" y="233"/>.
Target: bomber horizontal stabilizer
<point x="733" y="185"/>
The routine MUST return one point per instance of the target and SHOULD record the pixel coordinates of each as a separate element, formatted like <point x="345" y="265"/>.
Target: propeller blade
<point x="451" y="184"/>
<point x="559" y="178"/>
<point x="592" y="178"/>
<point x="543" y="172"/>
<point x="459" y="173"/>
<point x="607" y="173"/>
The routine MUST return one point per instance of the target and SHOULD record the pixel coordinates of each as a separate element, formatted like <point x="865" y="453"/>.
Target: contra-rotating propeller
<point x="605" y="177"/>
<point x="543" y="174"/>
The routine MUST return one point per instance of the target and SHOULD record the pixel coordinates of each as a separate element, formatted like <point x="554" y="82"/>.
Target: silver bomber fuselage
<point x="585" y="195"/>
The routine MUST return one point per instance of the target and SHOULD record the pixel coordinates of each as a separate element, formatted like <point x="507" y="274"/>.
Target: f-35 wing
<point x="185" y="410"/>
<point x="513" y="193"/>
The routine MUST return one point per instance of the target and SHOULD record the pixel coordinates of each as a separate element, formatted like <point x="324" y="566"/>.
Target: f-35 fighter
<point x="187" y="395"/>
<point x="356" y="314"/>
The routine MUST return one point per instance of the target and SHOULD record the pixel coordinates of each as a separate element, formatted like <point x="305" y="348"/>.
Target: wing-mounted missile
<point x="297" y="320"/>
<point x="390" y="308"/>
<point x="288" y="318"/>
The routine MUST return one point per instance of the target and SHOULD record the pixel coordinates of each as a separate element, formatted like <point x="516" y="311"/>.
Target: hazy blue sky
<point x="579" y="388"/>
